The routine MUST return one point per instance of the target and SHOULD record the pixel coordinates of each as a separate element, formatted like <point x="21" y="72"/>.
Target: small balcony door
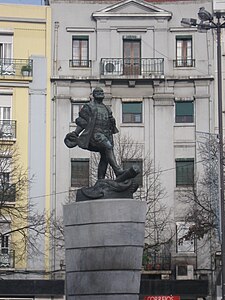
<point x="132" y="57"/>
<point x="6" y="55"/>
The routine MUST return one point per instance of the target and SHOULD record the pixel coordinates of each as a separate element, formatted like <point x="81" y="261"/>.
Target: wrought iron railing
<point x="156" y="262"/>
<point x="148" y="67"/>
<point x="7" y="129"/>
<point x="77" y="63"/>
<point x="7" y="258"/>
<point x="7" y="194"/>
<point x="16" y="67"/>
<point x="179" y="63"/>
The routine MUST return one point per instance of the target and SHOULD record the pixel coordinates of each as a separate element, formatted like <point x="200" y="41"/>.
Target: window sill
<point x="184" y="124"/>
<point x="131" y="124"/>
<point x="80" y="68"/>
<point x="184" y="68"/>
<point x="186" y="253"/>
<point x="184" y="188"/>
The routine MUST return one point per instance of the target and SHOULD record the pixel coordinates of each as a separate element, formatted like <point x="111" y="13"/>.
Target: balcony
<point x="184" y="63"/>
<point x="7" y="194"/>
<point x="145" y="67"/>
<point x="156" y="262"/>
<point x="16" y="67"/>
<point x="7" y="258"/>
<point x="77" y="63"/>
<point x="7" y="130"/>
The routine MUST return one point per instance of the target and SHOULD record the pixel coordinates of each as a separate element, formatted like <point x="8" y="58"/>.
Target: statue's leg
<point x="102" y="166"/>
<point x="113" y="163"/>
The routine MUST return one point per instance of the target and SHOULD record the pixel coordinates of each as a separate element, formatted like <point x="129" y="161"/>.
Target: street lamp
<point x="206" y="23"/>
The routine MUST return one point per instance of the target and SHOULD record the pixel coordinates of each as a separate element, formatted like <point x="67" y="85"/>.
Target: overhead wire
<point x="68" y="191"/>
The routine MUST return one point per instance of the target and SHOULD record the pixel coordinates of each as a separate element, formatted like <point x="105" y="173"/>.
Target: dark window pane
<point x="79" y="173"/>
<point x="184" y="119"/>
<point x="5" y="244"/>
<point x="132" y="112"/>
<point x="182" y="270"/>
<point x="185" y="172"/>
<point x="129" y="163"/>
<point x="184" y="112"/>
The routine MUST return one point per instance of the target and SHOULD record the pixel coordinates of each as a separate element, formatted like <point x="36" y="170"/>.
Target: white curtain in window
<point x="5" y="107"/>
<point x="6" y="42"/>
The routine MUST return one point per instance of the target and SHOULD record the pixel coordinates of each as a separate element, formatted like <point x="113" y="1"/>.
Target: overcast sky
<point x="35" y="2"/>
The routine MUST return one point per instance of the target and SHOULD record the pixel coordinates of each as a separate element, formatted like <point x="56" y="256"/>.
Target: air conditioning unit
<point x="184" y="272"/>
<point x="113" y="68"/>
<point x="218" y="6"/>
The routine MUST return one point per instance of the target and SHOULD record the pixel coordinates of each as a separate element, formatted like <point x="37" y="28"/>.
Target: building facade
<point x="158" y="79"/>
<point x="25" y="39"/>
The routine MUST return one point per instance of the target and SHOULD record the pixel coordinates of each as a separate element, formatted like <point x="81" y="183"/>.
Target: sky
<point x="34" y="2"/>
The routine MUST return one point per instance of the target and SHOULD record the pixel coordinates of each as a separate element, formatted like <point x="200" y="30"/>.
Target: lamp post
<point x="206" y="23"/>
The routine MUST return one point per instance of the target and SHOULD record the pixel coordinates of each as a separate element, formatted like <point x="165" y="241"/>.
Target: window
<point x="5" y="244"/>
<point x="182" y="270"/>
<point x="6" y="49"/>
<point x="132" y="56"/>
<point x="184" y="172"/>
<point x="184" y="242"/>
<point x="5" y="107"/>
<point x="75" y="108"/>
<point x="4" y="179"/>
<point x="80" y="51"/>
<point x="184" y="112"/>
<point x="5" y="113"/>
<point x="79" y="172"/>
<point x="7" y="125"/>
<point x="132" y="112"/>
<point x="138" y="162"/>
<point x="5" y="250"/>
<point x="184" y="52"/>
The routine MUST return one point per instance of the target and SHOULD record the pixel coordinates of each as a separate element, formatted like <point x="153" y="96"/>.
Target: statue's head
<point x="98" y="94"/>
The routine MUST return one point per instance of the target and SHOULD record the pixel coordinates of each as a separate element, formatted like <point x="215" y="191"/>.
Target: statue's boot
<point x="118" y="170"/>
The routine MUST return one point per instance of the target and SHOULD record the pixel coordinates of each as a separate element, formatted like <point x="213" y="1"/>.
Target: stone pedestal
<point x="104" y="244"/>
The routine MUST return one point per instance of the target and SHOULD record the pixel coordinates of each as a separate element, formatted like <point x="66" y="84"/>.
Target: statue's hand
<point x="71" y="139"/>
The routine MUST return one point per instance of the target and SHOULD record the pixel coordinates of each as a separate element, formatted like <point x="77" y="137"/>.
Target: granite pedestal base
<point x="104" y="244"/>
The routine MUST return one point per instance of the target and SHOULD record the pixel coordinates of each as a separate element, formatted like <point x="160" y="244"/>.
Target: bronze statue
<point x="94" y="132"/>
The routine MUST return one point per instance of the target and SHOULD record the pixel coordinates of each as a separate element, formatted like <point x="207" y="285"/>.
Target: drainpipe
<point x="55" y="49"/>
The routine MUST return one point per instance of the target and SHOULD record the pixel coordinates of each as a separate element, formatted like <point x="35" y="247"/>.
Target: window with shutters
<point x="184" y="172"/>
<point x="184" y="52"/>
<point x="132" y="112"/>
<point x="80" y="51"/>
<point x="184" y="112"/>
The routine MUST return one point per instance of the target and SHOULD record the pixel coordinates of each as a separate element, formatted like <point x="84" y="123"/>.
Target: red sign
<point x="162" y="297"/>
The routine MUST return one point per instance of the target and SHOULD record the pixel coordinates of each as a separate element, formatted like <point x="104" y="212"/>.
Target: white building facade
<point x="158" y="79"/>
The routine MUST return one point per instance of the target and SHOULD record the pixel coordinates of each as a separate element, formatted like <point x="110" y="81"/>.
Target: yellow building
<point x="25" y="38"/>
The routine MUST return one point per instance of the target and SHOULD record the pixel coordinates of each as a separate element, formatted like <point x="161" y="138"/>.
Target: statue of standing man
<point x="94" y="132"/>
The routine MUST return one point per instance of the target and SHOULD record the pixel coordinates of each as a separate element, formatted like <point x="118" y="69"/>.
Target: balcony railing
<point x="148" y="67"/>
<point x="7" y="259"/>
<point x="7" y="194"/>
<point x="77" y="63"/>
<point x="156" y="262"/>
<point x="16" y="67"/>
<point x="184" y="63"/>
<point x="7" y="129"/>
